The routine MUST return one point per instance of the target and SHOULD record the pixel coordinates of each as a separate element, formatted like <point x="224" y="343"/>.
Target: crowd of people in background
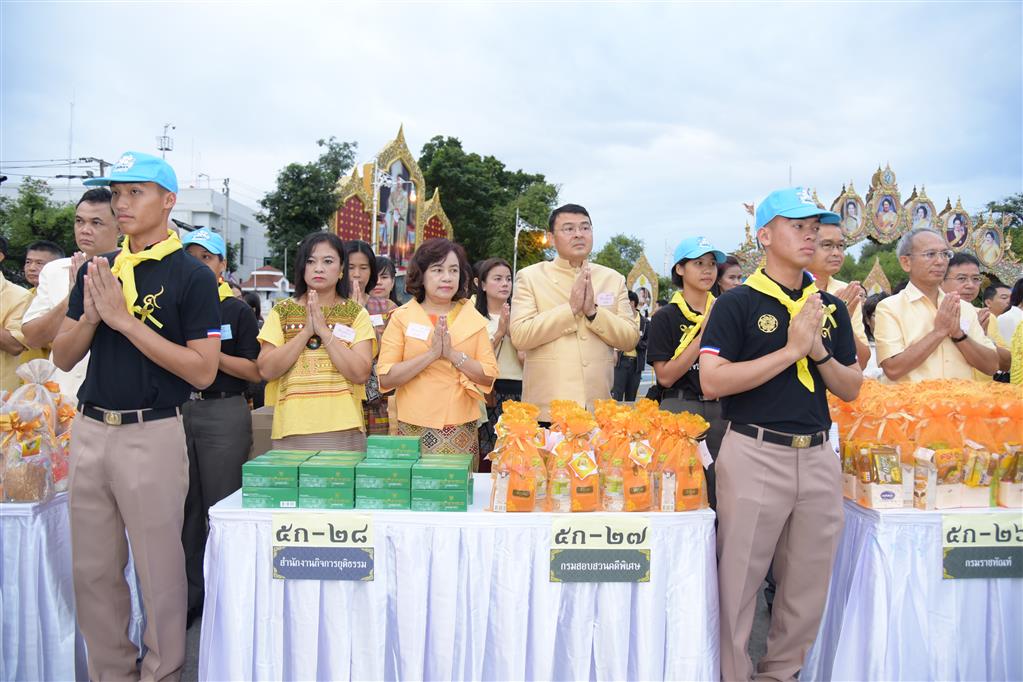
<point x="167" y="357"/>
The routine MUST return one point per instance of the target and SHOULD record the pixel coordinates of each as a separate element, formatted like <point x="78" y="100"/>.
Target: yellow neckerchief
<point x="691" y="315"/>
<point x="758" y="281"/>
<point x="224" y="290"/>
<point x="124" y="270"/>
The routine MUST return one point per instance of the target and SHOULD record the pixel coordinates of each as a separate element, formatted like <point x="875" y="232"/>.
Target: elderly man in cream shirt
<point x="923" y="332"/>
<point x="569" y="316"/>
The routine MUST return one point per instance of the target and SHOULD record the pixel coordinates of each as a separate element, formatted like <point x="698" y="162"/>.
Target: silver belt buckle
<point x="195" y="395"/>
<point x="801" y="441"/>
<point x="111" y="418"/>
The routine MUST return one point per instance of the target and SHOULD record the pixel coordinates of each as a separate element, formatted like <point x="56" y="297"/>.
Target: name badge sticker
<point x="418" y="331"/>
<point x="605" y="298"/>
<point x="225" y="332"/>
<point x="344" y="332"/>
<point x="376" y="320"/>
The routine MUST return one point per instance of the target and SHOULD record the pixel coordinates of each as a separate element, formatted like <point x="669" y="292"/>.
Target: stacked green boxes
<point x="327" y="481"/>
<point x="270" y="481"/>
<point x="442" y="483"/>
<point x="401" y="448"/>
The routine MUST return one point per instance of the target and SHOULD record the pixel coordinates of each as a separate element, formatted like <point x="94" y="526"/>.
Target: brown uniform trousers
<point x="782" y="503"/>
<point x="132" y="477"/>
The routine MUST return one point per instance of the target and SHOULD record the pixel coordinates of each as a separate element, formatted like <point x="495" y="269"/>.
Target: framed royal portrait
<point x="956" y="226"/>
<point x="849" y="205"/>
<point x="921" y="212"/>
<point x="989" y="240"/>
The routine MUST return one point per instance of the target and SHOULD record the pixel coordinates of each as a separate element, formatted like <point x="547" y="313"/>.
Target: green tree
<point x="620" y="253"/>
<point x="858" y="269"/>
<point x="480" y="196"/>
<point x="34" y="215"/>
<point x="232" y="257"/>
<point x="665" y="288"/>
<point x="305" y="197"/>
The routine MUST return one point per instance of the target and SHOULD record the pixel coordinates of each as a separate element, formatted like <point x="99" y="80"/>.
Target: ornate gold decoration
<point x="988" y="241"/>
<point x="885" y="218"/>
<point x="749" y="254"/>
<point x="956" y="224"/>
<point x="643" y="275"/>
<point x="920" y="211"/>
<point x="767" y="323"/>
<point x="876" y="281"/>
<point x="853" y="225"/>
<point x="433" y="209"/>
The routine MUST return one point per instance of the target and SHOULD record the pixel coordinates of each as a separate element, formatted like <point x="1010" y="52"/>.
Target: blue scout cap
<point x="207" y="239"/>
<point x="794" y="202"/>
<point x="694" y="247"/>
<point x="138" y="167"/>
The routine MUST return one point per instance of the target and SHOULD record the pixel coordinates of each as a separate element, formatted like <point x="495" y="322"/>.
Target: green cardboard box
<point x="440" y="500"/>
<point x="270" y="498"/>
<point x="326" y="498"/>
<point x="381" y="498"/>
<point x="269" y="473"/>
<point x="390" y="474"/>
<point x="392" y="447"/>
<point x="327" y="472"/>
<point x="297" y="455"/>
<point x="440" y="474"/>
<point x="342" y="453"/>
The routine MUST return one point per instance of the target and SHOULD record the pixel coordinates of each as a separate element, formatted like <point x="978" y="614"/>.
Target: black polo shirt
<point x="120" y="376"/>
<point x="667" y="327"/>
<point x="746" y="325"/>
<point x="238" y="332"/>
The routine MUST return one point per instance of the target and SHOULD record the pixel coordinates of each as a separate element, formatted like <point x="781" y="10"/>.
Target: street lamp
<point x="522" y="226"/>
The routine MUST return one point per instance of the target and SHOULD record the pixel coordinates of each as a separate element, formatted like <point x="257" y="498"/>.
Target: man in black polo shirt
<point x="772" y="349"/>
<point x="148" y="315"/>
<point x="218" y="423"/>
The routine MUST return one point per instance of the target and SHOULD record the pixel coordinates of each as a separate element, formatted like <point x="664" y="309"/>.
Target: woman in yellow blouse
<point x="317" y="350"/>
<point x="436" y="352"/>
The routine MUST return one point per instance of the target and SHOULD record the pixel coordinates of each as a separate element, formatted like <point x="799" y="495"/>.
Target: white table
<point x="458" y="596"/>
<point x="39" y="634"/>
<point x="891" y="616"/>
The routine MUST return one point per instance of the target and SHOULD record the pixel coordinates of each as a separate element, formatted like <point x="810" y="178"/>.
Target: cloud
<point x="660" y="118"/>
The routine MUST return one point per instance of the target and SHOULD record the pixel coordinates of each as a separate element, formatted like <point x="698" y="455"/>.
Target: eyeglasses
<point x="963" y="279"/>
<point x="832" y="246"/>
<point x="931" y="255"/>
<point x="581" y="228"/>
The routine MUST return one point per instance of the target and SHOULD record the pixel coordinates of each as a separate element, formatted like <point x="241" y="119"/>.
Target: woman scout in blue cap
<point x="772" y="351"/>
<point x="673" y="344"/>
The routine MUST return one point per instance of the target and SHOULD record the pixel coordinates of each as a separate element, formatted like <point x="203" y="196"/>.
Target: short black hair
<point x="305" y="250"/>
<point x="358" y="246"/>
<point x="96" y="195"/>
<point x="431" y="251"/>
<point x="869" y="306"/>
<point x="45" y="245"/>
<point x="992" y="290"/>
<point x="633" y="297"/>
<point x="661" y="302"/>
<point x="567" y="208"/>
<point x="963" y="258"/>
<point x="252" y="298"/>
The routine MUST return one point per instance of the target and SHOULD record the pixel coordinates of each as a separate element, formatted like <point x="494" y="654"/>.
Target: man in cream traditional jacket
<point x="568" y="316"/>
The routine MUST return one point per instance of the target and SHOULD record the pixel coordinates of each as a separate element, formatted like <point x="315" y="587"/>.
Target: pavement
<point x="757" y="643"/>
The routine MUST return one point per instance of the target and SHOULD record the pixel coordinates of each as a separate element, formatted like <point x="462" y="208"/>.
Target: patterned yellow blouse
<point x="312" y="396"/>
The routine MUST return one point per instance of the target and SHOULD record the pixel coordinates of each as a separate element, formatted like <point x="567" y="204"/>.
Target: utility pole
<point x="102" y="164"/>
<point x="227" y="214"/>
<point x="164" y="143"/>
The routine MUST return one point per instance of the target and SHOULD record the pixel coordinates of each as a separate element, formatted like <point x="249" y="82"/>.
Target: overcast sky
<point x="662" y="119"/>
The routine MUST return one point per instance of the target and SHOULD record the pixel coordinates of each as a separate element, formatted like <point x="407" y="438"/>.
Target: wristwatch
<point x="959" y="340"/>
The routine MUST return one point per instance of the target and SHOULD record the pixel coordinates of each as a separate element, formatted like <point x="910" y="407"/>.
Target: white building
<point x="236" y="223"/>
<point x="196" y="207"/>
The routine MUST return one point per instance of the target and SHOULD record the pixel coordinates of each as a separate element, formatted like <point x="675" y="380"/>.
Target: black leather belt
<point x="680" y="394"/>
<point x="124" y="417"/>
<point x="810" y="440"/>
<point x="213" y="395"/>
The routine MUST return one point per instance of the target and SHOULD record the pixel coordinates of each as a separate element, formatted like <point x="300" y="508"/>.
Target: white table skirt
<point x="39" y="632"/>
<point x="458" y="596"/>
<point x="891" y="616"/>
